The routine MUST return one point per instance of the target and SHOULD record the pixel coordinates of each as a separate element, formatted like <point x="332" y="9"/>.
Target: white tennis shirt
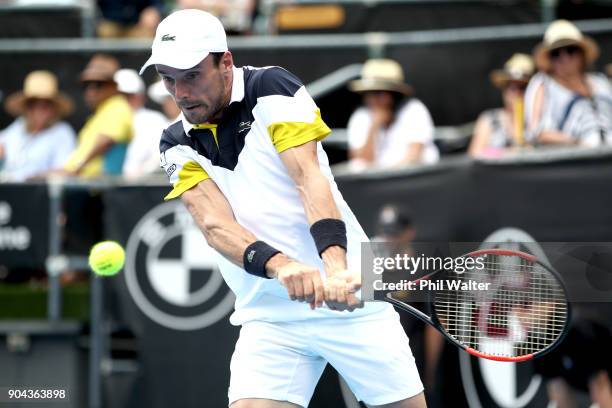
<point x="270" y="111"/>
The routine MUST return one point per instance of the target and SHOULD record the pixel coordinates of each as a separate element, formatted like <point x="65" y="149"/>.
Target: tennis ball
<point x="106" y="258"/>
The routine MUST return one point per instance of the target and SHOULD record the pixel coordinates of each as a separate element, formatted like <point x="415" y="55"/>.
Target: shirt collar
<point x="237" y="96"/>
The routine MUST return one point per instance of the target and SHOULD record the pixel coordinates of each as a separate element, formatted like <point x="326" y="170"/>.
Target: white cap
<point x="185" y="38"/>
<point x="129" y="82"/>
<point x="158" y="92"/>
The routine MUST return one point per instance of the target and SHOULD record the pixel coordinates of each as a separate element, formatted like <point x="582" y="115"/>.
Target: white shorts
<point x="284" y="361"/>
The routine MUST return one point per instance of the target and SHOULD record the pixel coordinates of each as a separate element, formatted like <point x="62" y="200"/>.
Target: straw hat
<point x="519" y="68"/>
<point x="39" y="85"/>
<point x="562" y="33"/>
<point x="101" y="68"/>
<point x="381" y="75"/>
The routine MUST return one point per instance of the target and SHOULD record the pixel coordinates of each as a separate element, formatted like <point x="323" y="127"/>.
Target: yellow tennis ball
<point x="106" y="258"/>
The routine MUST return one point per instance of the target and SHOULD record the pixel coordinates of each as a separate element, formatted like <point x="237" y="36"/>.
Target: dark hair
<point x="399" y="100"/>
<point x="217" y="57"/>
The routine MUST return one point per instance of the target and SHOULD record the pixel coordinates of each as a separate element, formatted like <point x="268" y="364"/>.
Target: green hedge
<point x="26" y="301"/>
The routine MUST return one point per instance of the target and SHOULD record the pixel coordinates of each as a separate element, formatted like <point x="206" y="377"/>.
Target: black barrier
<point x="185" y="339"/>
<point x="171" y="298"/>
<point x="24" y="225"/>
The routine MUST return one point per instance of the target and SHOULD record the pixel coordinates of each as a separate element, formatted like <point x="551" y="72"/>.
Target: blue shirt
<point x="27" y="155"/>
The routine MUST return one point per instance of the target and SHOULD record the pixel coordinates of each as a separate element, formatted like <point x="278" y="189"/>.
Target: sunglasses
<point x="569" y="50"/>
<point x="516" y="86"/>
<point x="93" y="84"/>
<point x="39" y="103"/>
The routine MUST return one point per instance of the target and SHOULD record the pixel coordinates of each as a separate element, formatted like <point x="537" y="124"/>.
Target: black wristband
<point x="256" y="256"/>
<point x="328" y="232"/>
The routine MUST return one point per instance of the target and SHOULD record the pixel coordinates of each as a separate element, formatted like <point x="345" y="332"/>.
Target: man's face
<point x="378" y="100"/>
<point x="96" y="92"/>
<point x="40" y="114"/>
<point x="200" y="92"/>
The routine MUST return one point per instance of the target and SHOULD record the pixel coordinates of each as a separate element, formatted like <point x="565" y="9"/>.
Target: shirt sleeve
<point x="416" y="120"/>
<point x="287" y="110"/>
<point x="179" y="164"/>
<point x="118" y="120"/>
<point x="357" y="128"/>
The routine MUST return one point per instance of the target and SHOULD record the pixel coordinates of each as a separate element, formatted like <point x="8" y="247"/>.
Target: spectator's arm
<point x="103" y="143"/>
<point x="378" y="119"/>
<point x="480" y="139"/>
<point x="415" y="153"/>
<point x="2" y="137"/>
<point x="542" y="135"/>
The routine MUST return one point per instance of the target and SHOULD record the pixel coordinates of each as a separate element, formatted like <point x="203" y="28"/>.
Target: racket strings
<point x="523" y="311"/>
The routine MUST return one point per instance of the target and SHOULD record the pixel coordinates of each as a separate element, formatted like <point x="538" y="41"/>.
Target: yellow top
<point x="113" y="119"/>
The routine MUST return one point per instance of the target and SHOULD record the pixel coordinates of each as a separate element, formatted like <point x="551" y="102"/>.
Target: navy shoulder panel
<point x="172" y="136"/>
<point x="270" y="81"/>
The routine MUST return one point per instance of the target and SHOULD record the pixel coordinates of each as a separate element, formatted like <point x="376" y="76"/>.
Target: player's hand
<point x="340" y="288"/>
<point x="303" y="282"/>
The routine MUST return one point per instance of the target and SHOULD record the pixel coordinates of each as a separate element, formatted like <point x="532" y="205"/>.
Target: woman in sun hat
<point x="392" y="128"/>
<point x="38" y="141"/>
<point x="564" y="103"/>
<point x="497" y="129"/>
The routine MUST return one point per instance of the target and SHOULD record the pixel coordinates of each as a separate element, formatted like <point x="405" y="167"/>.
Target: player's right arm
<point x="214" y="216"/>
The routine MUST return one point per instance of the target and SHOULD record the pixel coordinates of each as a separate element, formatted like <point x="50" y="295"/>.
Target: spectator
<point x="160" y="95"/>
<point x="497" y="129"/>
<point x="572" y="366"/>
<point x="142" y="155"/>
<point x="395" y="228"/>
<point x="38" y="141"/>
<point x="134" y="18"/>
<point x="236" y="15"/>
<point x="104" y="137"/>
<point x="393" y="128"/>
<point x="564" y="104"/>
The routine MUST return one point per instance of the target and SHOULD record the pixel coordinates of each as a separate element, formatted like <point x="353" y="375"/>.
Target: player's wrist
<point x="334" y="259"/>
<point x="256" y="257"/>
<point x="275" y="264"/>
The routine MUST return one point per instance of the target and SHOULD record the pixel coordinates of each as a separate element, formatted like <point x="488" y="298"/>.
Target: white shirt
<point x="270" y="111"/>
<point x="413" y="124"/>
<point x="588" y="120"/>
<point x="27" y="155"/>
<point x="142" y="155"/>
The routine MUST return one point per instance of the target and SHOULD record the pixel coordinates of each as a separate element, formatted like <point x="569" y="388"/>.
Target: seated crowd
<point x="550" y="98"/>
<point x="121" y="137"/>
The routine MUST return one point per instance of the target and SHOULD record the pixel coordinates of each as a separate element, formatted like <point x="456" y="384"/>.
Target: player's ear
<point x="227" y="62"/>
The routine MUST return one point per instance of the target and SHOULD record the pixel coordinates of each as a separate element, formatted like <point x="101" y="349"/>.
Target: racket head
<point x="523" y="314"/>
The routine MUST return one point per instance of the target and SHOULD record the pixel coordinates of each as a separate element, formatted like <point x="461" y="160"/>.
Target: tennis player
<point x="245" y="158"/>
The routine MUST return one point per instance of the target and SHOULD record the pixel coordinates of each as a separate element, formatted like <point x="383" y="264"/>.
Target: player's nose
<point x="181" y="90"/>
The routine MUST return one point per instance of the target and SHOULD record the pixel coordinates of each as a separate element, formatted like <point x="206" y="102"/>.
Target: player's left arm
<point x="315" y="191"/>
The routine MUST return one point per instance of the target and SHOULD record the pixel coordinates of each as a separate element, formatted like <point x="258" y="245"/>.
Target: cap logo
<point x="168" y="37"/>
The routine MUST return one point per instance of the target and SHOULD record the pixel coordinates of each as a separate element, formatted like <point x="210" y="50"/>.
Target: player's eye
<point x="190" y="76"/>
<point x="167" y="79"/>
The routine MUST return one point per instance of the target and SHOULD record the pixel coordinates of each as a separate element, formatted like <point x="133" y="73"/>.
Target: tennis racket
<point x="523" y="313"/>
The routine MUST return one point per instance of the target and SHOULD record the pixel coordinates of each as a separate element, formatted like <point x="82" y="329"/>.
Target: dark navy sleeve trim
<point x="277" y="81"/>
